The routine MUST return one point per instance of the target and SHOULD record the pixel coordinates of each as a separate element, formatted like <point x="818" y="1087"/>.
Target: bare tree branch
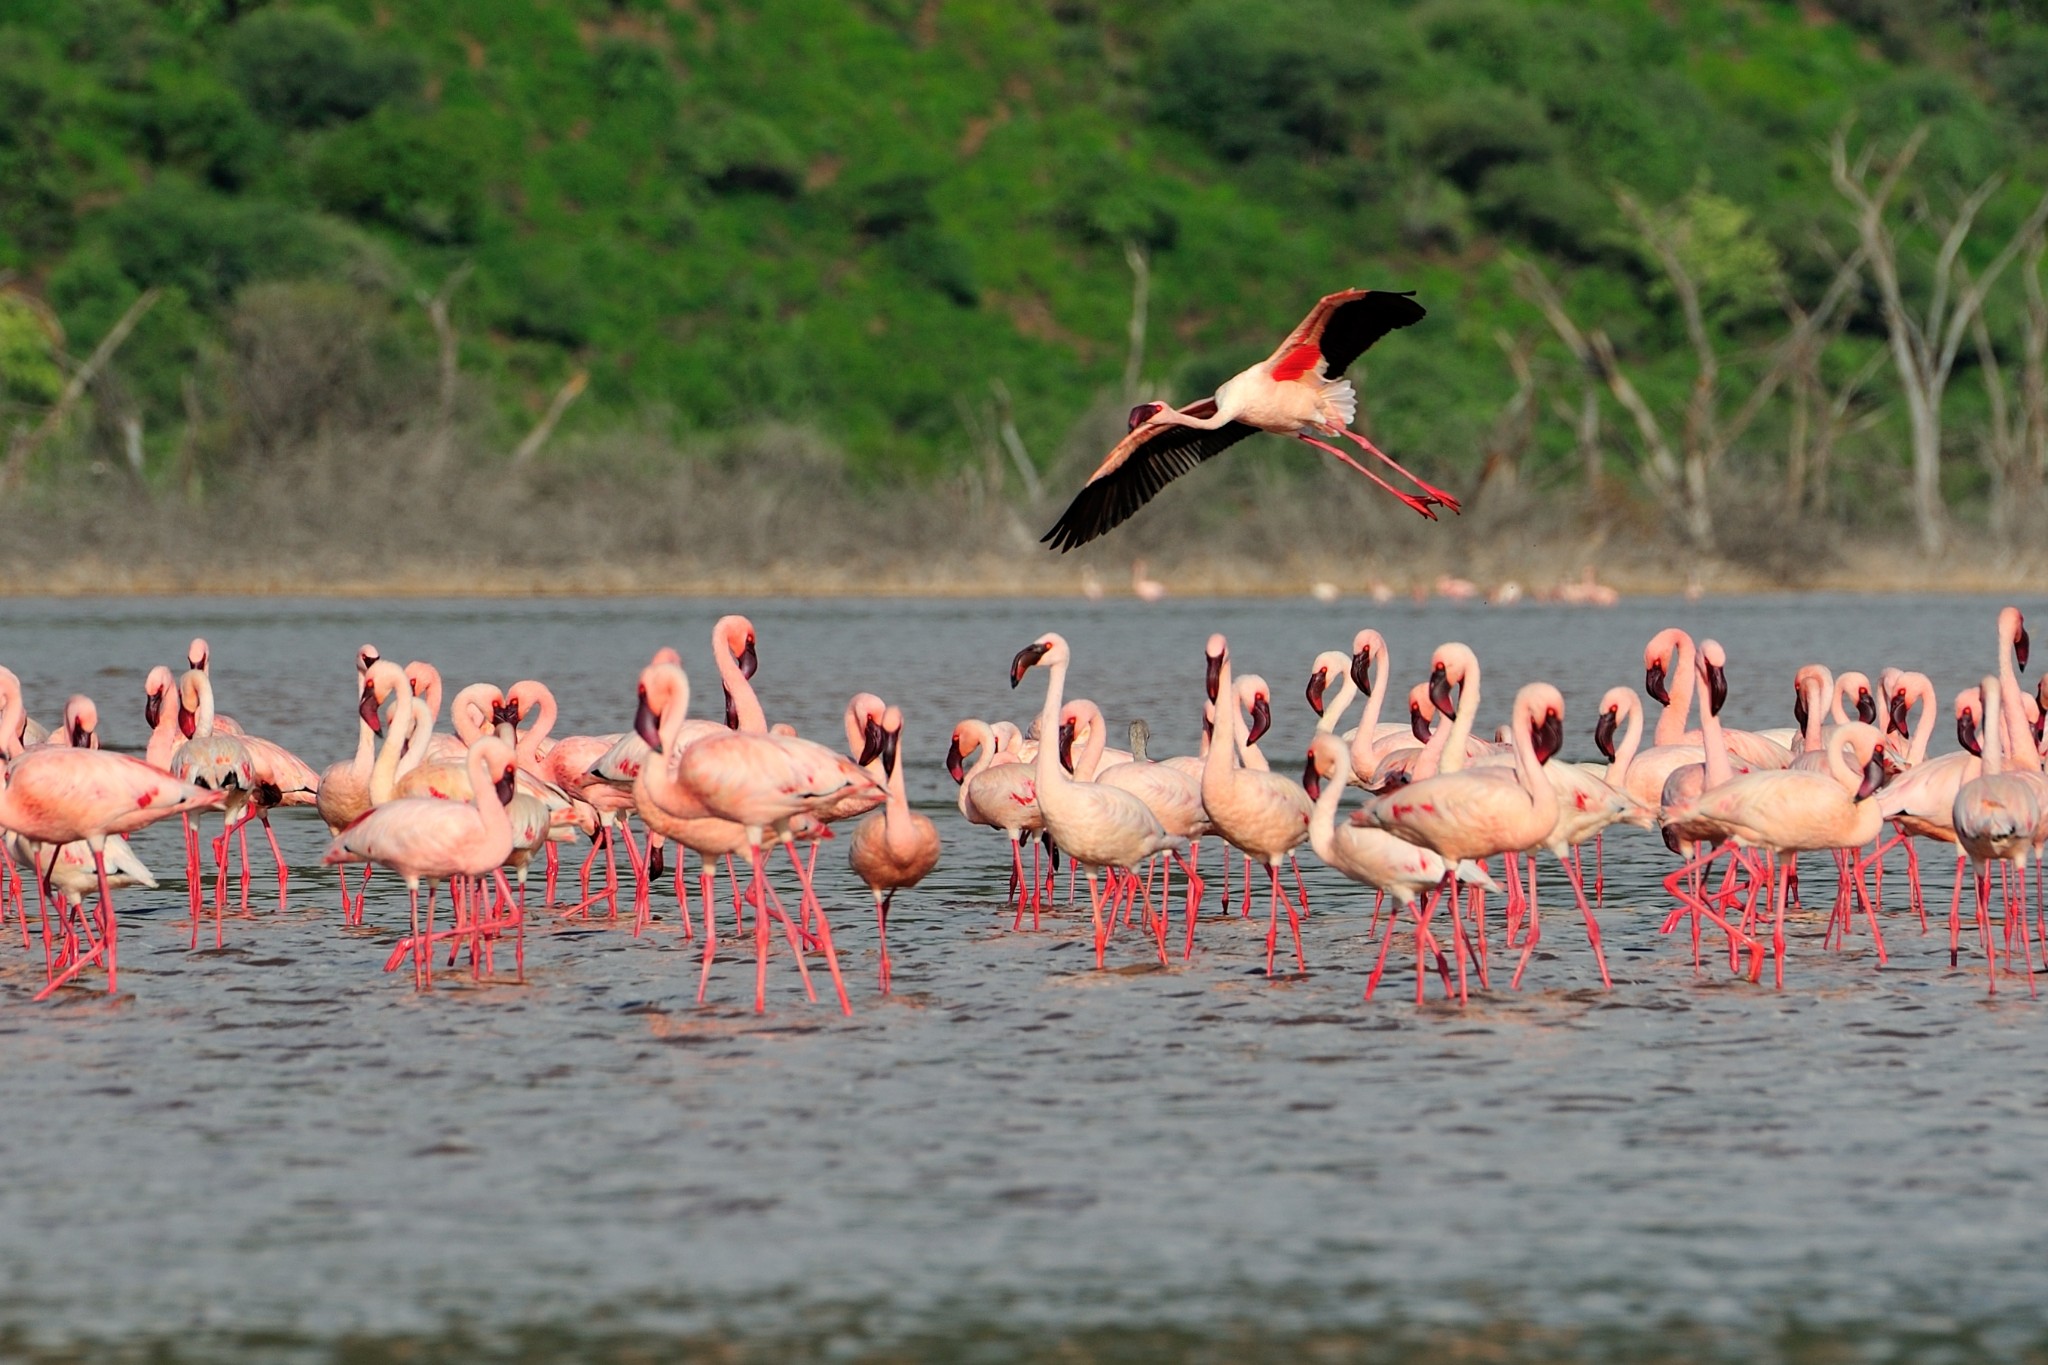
<point x="27" y="442"/>
<point x="545" y="428"/>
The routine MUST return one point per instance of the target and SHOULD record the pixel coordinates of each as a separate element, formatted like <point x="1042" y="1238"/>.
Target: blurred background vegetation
<point x="564" y="282"/>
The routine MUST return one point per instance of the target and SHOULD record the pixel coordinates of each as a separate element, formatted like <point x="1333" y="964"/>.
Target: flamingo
<point x="344" y="788"/>
<point x="1002" y="795"/>
<point x="1670" y="673"/>
<point x="1101" y="828"/>
<point x="1174" y="798"/>
<point x="281" y="778"/>
<point x="425" y="839"/>
<point x="1298" y="391"/>
<point x="17" y="731"/>
<point x="58" y="795"/>
<point x="1260" y="813"/>
<point x="893" y="848"/>
<point x="1476" y="814"/>
<point x="1997" y="817"/>
<point x="199" y="659"/>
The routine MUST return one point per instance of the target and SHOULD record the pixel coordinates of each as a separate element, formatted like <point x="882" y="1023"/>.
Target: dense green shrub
<point x="307" y="69"/>
<point x="413" y="173"/>
<point x="734" y="151"/>
<point x="1470" y="132"/>
<point x="191" y="120"/>
<point x="1252" y="79"/>
<point x="209" y="244"/>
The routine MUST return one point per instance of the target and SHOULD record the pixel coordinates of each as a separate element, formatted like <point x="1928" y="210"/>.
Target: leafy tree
<point x="308" y="69"/>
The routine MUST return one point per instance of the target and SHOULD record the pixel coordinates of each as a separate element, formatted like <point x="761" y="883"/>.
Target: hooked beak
<point x="1866" y="706"/>
<point x="188" y="724"/>
<point x="1361" y="671"/>
<point x="152" y="709"/>
<point x="1440" y="695"/>
<point x="1026" y="659"/>
<point x="870" y="742"/>
<point x="80" y="736"/>
<point x="1312" y="779"/>
<point x="956" y="767"/>
<point x="1966" y="734"/>
<point x="1067" y="733"/>
<point x="1900" y="713"/>
<point x="748" y="660"/>
<point x="2020" y="646"/>
<point x="1873" y="777"/>
<point x="1417" y="726"/>
<point x="1142" y="414"/>
<point x="1548" y="736"/>
<point x="1717" y="687"/>
<point x="504" y="786"/>
<point x="1262" y="720"/>
<point x="1799" y="712"/>
<point x="1214" y="677"/>
<point x="891" y="739"/>
<point x="1603" y="733"/>
<point x="1318" y="682"/>
<point x="732" y="713"/>
<point x="646" y="724"/>
<point x="367" y="709"/>
<point x="1654" y="683"/>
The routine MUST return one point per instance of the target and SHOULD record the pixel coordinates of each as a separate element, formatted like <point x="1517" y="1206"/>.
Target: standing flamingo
<point x="1296" y="391"/>
<point x="425" y="839"/>
<point x="59" y="795"/>
<point x="1000" y="795"/>
<point x="895" y="847"/>
<point x="1101" y="828"/>
<point x="1997" y="818"/>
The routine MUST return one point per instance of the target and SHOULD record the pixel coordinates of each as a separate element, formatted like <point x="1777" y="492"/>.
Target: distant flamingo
<point x="1144" y="587"/>
<point x="1297" y="391"/>
<point x="1996" y="818"/>
<point x="424" y="839"/>
<point x="1004" y="796"/>
<point x="894" y="848"/>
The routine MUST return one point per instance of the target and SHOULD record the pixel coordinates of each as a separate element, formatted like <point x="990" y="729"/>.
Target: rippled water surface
<point x="279" y="1136"/>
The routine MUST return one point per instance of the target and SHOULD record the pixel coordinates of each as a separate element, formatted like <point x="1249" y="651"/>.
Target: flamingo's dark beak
<point x="1262" y="720"/>
<point x="1873" y="777"/>
<point x="891" y="739"/>
<point x="367" y="709"/>
<point x="956" y="767"/>
<point x="1603" y="733"/>
<point x="732" y="713"/>
<point x="1417" y="725"/>
<point x="655" y="863"/>
<point x="81" y="738"/>
<point x="1899" y="717"/>
<point x="1654" y="683"/>
<point x="1866" y="706"/>
<point x="1440" y="694"/>
<point x="1799" y="712"/>
<point x="870" y="742"/>
<point x="505" y="785"/>
<point x="748" y="660"/>
<point x="1312" y="779"/>
<point x="1361" y="671"/>
<point x="1142" y="414"/>
<point x="1067" y="732"/>
<point x="1027" y="659"/>
<point x="646" y="724"/>
<point x="1214" y="677"/>
<point x="1717" y="687"/>
<point x="1548" y="736"/>
<point x="188" y="724"/>
<point x="1966" y="734"/>
<point x="1318" y="683"/>
<point x="152" y="709"/>
<point x="2020" y="645"/>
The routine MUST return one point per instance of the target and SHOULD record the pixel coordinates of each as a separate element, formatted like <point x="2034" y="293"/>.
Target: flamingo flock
<point x="1443" y="820"/>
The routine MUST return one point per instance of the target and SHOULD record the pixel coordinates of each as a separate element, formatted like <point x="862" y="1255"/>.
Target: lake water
<point x="277" y="1150"/>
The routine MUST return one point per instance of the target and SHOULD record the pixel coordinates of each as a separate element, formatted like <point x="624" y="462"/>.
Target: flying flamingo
<point x="57" y="795"/>
<point x="1101" y="828"/>
<point x="1298" y="391"/>
<point x="1260" y="813"/>
<point x="895" y="847"/>
<point x="425" y="839"/>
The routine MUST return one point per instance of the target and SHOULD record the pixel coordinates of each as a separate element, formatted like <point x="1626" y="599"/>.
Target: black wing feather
<point x="1107" y="502"/>
<point x="1353" y="327"/>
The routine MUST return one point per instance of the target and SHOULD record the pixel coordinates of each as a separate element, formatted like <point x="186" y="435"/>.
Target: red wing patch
<point x="1299" y="361"/>
<point x="146" y="800"/>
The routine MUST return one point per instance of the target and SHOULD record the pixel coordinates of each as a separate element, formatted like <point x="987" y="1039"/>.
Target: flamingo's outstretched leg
<point x="1425" y="506"/>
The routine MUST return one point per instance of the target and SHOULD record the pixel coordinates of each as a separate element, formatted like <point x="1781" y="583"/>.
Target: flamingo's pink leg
<point x="1409" y="500"/>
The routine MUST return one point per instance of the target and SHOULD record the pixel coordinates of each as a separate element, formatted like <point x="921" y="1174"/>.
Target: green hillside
<point x="862" y="217"/>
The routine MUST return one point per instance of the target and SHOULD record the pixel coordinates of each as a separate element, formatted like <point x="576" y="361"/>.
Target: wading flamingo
<point x="1297" y="391"/>
<point x="1997" y="817"/>
<point x="895" y="847"/>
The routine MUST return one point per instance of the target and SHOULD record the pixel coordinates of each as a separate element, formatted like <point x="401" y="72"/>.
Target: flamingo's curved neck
<point x="1919" y="691"/>
<point x="1248" y="753"/>
<point x="384" y="776"/>
<point x="2015" y="743"/>
<point x="1090" y="760"/>
<point x="1322" y="820"/>
<point x="1719" y="769"/>
<point x="745" y="705"/>
<point x="470" y="713"/>
<point x="1991" y="738"/>
<point x="1542" y="799"/>
<point x="1333" y="712"/>
<point x="1051" y="776"/>
<point x="421" y="734"/>
<point x="497" y="821"/>
<point x="1671" y="726"/>
<point x="164" y="738"/>
<point x="1452" y="756"/>
<point x="202" y="716"/>
<point x="1220" y="757"/>
<point x="13" y="720"/>
<point x="530" y="742"/>
<point x="1631" y="742"/>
